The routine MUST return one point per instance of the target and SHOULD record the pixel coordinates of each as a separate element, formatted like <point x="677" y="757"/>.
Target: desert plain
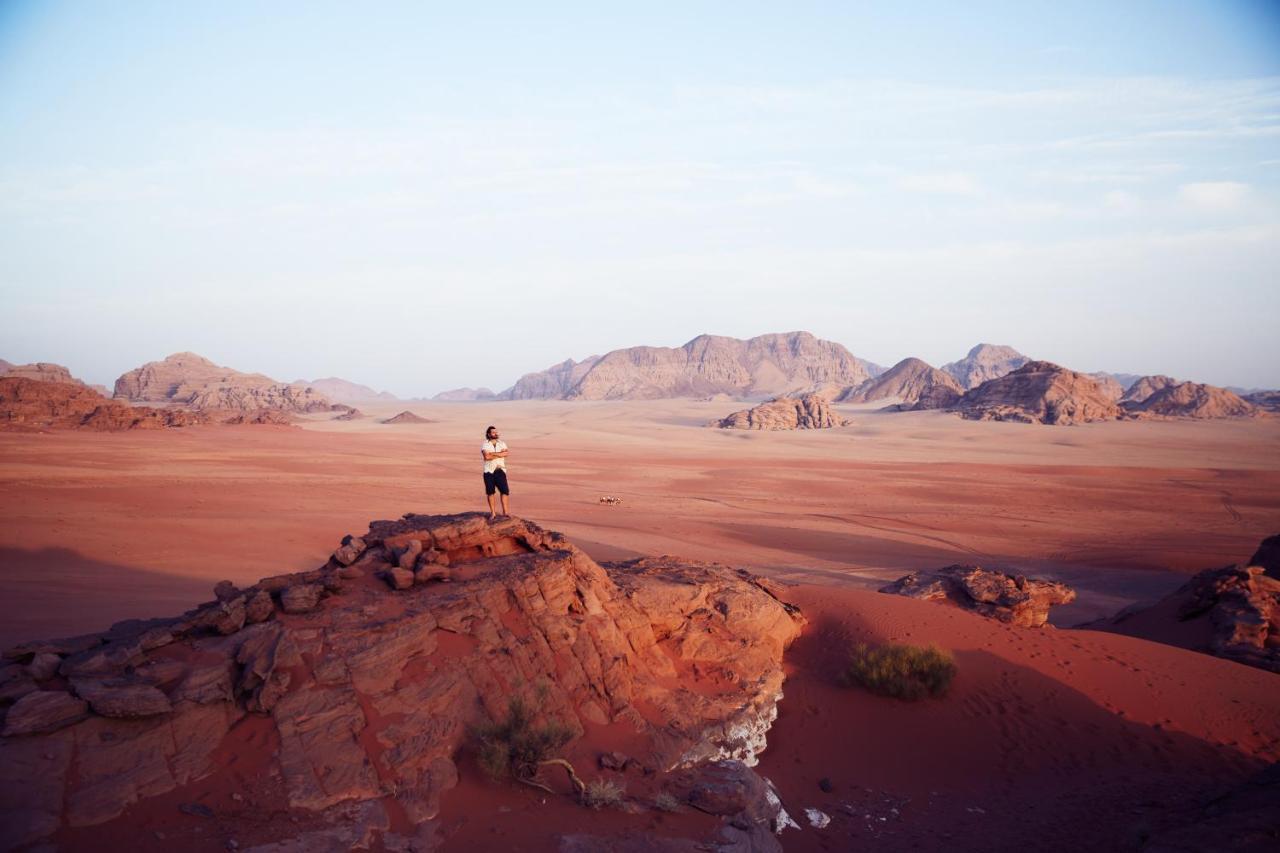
<point x="1050" y="737"/>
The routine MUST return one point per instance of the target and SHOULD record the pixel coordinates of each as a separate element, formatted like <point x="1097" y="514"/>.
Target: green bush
<point x="903" y="672"/>
<point x="514" y="746"/>
<point x="601" y="793"/>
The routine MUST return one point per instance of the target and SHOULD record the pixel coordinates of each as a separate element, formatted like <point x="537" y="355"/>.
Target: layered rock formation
<point x="364" y="675"/>
<point x="1110" y="388"/>
<point x="812" y="411"/>
<point x="1039" y="392"/>
<point x="983" y="363"/>
<point x="913" y="382"/>
<point x="1193" y="400"/>
<point x="191" y="381"/>
<point x="27" y="404"/>
<point x="768" y="365"/>
<point x="464" y="395"/>
<point x="1009" y="598"/>
<point x="344" y="391"/>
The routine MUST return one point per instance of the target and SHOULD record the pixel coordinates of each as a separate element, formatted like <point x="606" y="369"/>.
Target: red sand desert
<point x="1052" y="738"/>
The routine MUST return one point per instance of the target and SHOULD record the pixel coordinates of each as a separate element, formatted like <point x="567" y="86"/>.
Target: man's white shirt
<point x="491" y="465"/>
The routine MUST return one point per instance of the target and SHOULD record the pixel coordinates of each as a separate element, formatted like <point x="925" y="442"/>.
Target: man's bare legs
<point x="493" y="506"/>
<point x="505" y="509"/>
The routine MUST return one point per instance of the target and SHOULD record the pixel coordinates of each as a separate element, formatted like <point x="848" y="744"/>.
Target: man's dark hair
<point x="489" y="429"/>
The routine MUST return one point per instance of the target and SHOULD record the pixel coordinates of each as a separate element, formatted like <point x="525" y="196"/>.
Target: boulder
<point x="121" y="699"/>
<point x="44" y="711"/>
<point x="1015" y="599"/>
<point x="1268" y="556"/>
<point x="259" y="608"/>
<point x="300" y="598"/>
<point x="350" y="550"/>
<point x="225" y="591"/>
<point x="400" y="578"/>
<point x="44" y="665"/>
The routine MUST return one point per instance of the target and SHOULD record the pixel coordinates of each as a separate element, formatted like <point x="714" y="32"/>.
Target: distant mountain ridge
<point x="915" y="383"/>
<point x="195" y="382"/>
<point x="766" y="365"/>
<point x="345" y="391"/>
<point x="984" y="362"/>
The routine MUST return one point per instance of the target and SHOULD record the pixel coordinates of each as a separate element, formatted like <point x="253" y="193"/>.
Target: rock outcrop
<point x="1009" y="598"/>
<point x="768" y="365"/>
<point x="28" y="404"/>
<point x="983" y="363"/>
<point x="812" y="411"/>
<point x="1268" y="556"/>
<point x="367" y="686"/>
<point x="1236" y="610"/>
<point x="191" y="381"/>
<point x="464" y="395"/>
<point x="1039" y="392"/>
<point x="914" y="383"/>
<point x="1194" y="400"/>
<point x="407" y="417"/>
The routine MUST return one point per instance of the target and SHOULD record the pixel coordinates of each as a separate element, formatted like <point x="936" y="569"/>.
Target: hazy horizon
<point x="418" y="199"/>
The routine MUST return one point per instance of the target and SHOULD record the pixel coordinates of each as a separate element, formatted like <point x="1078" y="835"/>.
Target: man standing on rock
<point x="494" y="451"/>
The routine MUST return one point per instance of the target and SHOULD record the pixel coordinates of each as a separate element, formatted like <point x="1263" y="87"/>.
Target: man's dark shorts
<point x="496" y="481"/>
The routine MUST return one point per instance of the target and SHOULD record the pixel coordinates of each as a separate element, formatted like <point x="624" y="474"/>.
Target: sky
<point x="418" y="196"/>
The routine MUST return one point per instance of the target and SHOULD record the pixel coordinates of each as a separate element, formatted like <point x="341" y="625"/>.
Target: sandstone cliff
<point x="768" y="365"/>
<point x="812" y="411"/>
<point x="914" y="383"/>
<point x="41" y="371"/>
<point x="1039" y="392"/>
<point x="188" y="380"/>
<point x="28" y="404"/>
<point x="984" y="362"/>
<point x="348" y="690"/>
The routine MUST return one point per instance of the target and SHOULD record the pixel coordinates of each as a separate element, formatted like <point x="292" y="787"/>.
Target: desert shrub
<point x="514" y="747"/>
<point x="900" y="671"/>
<point x="666" y="802"/>
<point x="601" y="793"/>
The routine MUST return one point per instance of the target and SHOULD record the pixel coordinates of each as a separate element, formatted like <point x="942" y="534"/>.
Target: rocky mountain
<point x="1145" y="386"/>
<point x="344" y="695"/>
<point x="555" y="383"/>
<point x="984" y="362"/>
<point x="768" y="365"/>
<point x="464" y="395"/>
<point x="915" y="383"/>
<point x="29" y="404"/>
<point x="344" y="391"/>
<point x="1124" y="380"/>
<point x="1194" y="400"/>
<point x="812" y="411"/>
<point x="1039" y="392"/>
<point x="192" y="381"/>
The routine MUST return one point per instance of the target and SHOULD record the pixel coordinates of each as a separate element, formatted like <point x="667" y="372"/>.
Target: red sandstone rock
<point x="1193" y="400"/>
<point x="1039" y="392"/>
<point x="33" y="404"/>
<point x="112" y="698"/>
<point x="983" y="363"/>
<point x="300" y="598"/>
<point x="188" y="380"/>
<point x="1010" y="598"/>
<point x="812" y="411"/>
<point x="366" y="699"/>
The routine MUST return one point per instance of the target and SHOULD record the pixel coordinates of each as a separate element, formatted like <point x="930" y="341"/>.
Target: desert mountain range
<point x="763" y="366"/>
<point x="913" y="382"/>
